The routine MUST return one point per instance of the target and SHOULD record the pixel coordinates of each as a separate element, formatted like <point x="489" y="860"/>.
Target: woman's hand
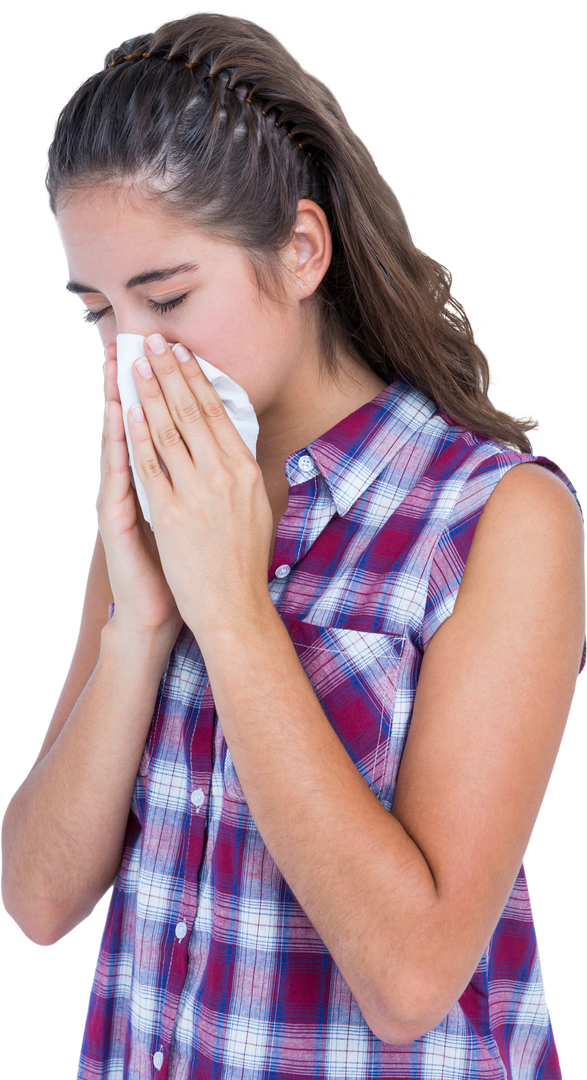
<point x="144" y="602"/>
<point x="211" y="516"/>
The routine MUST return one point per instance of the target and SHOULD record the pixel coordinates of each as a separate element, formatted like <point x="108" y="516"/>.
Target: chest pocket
<point x="355" y="678"/>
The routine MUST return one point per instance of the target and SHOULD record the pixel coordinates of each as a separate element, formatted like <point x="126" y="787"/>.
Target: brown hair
<point x="212" y="115"/>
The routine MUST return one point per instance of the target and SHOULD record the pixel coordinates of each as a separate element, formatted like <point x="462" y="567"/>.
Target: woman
<point x="311" y="741"/>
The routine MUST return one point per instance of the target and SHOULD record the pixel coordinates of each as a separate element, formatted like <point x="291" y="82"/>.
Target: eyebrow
<point x="140" y="279"/>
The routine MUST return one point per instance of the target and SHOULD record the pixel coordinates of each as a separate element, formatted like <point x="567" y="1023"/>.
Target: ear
<point x="311" y="248"/>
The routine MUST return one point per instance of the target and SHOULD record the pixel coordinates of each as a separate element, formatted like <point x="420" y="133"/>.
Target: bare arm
<point x="98" y="597"/>
<point x="64" y="829"/>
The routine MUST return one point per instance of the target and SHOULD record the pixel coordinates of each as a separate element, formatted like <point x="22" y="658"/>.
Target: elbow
<point x="45" y="933"/>
<point x="40" y="933"/>
<point x="399" y="1030"/>
<point x="40" y="927"/>
<point x="44" y="919"/>
<point x="403" y="1013"/>
<point x="48" y="927"/>
<point x="396" y="1033"/>
<point x="25" y="912"/>
<point x="33" y="928"/>
<point x="38" y="941"/>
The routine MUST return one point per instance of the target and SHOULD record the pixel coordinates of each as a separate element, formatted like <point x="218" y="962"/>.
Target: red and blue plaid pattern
<point x="209" y="967"/>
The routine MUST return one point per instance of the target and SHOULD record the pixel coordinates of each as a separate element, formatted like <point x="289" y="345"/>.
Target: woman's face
<point x="119" y="255"/>
<point x="142" y="271"/>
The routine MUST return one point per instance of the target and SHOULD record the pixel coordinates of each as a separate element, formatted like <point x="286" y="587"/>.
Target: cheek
<point x="231" y="335"/>
<point x="248" y="350"/>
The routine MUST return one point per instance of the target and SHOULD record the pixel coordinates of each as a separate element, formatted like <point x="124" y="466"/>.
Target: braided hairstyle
<point x="213" y="117"/>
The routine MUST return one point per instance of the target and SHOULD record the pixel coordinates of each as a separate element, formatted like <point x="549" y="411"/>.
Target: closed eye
<point x="161" y="309"/>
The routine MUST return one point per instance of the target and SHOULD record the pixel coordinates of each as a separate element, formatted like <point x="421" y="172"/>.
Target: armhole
<point x="111" y="611"/>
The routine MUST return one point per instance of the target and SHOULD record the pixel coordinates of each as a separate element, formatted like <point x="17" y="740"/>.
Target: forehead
<point x="112" y="233"/>
<point x="108" y="239"/>
<point x="125" y="207"/>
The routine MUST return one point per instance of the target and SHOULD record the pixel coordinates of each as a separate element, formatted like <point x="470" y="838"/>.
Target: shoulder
<point x="536" y="488"/>
<point x="530" y="509"/>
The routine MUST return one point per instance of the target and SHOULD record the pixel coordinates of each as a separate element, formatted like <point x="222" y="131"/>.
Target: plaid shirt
<point x="209" y="967"/>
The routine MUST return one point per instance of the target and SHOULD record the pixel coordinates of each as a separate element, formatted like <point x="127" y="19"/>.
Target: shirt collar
<point x="351" y="454"/>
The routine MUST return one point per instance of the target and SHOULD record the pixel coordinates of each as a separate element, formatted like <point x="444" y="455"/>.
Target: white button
<point x="181" y="930"/>
<point x="198" y="798"/>
<point x="282" y="571"/>
<point x="306" y="463"/>
<point x="158" y="1059"/>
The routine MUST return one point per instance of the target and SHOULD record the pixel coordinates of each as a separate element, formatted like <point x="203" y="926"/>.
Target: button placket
<point x="306" y="464"/>
<point x="198" y="799"/>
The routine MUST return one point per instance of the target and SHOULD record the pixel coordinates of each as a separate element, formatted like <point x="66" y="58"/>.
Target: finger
<point x="114" y="463"/>
<point x="196" y="409"/>
<point x="211" y="404"/>
<point x="111" y="391"/>
<point x="166" y="439"/>
<point x="109" y="354"/>
<point x="146" y="460"/>
<point x="101" y="436"/>
<point x="110" y="350"/>
<point x="99" y="461"/>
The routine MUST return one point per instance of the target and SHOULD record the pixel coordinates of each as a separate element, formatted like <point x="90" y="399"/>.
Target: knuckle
<point x="188" y="412"/>
<point x="151" y="467"/>
<point x="252" y="471"/>
<point x="166" y="366"/>
<point x="214" y="408"/>
<point x="170" y="436"/>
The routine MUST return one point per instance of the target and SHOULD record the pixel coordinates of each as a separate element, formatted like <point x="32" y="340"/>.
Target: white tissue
<point x="129" y="347"/>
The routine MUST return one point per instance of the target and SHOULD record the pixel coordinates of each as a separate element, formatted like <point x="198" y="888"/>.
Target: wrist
<point x="148" y="647"/>
<point x="242" y="636"/>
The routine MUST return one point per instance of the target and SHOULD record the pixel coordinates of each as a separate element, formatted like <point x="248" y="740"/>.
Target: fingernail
<point x="137" y="412"/>
<point x="106" y="357"/>
<point x="156" y="344"/>
<point x="181" y="353"/>
<point x="144" y="368"/>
